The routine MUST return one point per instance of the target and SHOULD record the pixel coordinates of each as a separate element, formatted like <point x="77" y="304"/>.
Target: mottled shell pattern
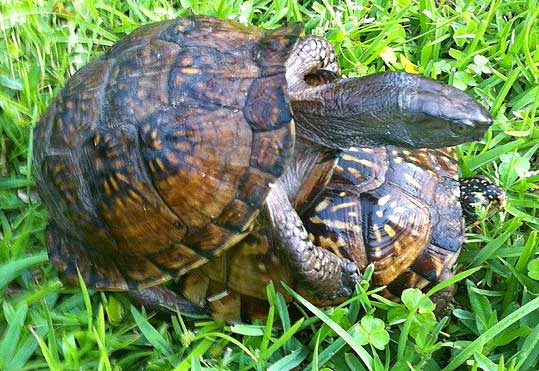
<point x="394" y="208"/>
<point x="158" y="155"/>
<point x="405" y="218"/>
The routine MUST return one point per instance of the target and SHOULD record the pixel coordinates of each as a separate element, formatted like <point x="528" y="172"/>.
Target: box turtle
<point x="160" y="154"/>
<point x="402" y="211"/>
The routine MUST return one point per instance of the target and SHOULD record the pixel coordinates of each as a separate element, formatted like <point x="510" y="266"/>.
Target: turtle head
<point x="441" y="114"/>
<point x="396" y="108"/>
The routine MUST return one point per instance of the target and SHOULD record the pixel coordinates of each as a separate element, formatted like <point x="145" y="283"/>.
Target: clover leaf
<point x="372" y="331"/>
<point x="533" y="269"/>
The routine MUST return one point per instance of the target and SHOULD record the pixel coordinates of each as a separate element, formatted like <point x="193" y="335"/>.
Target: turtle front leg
<point x="479" y="192"/>
<point x="443" y="297"/>
<point x="161" y="299"/>
<point x="310" y="56"/>
<point x="317" y="272"/>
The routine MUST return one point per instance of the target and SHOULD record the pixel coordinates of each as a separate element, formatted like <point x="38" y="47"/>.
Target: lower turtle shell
<point x="396" y="209"/>
<point x="158" y="155"/>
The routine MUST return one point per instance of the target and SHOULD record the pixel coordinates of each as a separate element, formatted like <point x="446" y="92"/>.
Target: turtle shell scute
<point x="159" y="154"/>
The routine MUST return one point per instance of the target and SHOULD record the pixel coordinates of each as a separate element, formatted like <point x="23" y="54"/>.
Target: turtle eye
<point x="460" y="129"/>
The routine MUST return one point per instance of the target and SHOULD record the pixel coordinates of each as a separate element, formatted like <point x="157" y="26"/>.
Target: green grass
<point x="488" y="48"/>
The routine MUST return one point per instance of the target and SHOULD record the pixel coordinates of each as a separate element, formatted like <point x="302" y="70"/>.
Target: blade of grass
<point x="290" y="361"/>
<point x="11" y="270"/>
<point x="150" y="333"/>
<point x="477" y="344"/>
<point x="360" y="351"/>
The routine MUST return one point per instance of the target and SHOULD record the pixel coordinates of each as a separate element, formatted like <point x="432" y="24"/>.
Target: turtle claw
<point x="329" y="291"/>
<point x="347" y="283"/>
<point x="350" y="277"/>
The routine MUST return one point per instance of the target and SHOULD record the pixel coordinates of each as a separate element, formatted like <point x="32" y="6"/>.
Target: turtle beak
<point x="478" y="122"/>
<point x="461" y="111"/>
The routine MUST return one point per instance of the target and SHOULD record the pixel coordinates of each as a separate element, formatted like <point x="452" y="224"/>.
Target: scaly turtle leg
<point x="310" y="56"/>
<point x="161" y="299"/>
<point x="478" y="191"/>
<point x="317" y="271"/>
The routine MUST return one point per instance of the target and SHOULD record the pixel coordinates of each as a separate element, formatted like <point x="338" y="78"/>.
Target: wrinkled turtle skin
<point x="161" y="154"/>
<point x="403" y="211"/>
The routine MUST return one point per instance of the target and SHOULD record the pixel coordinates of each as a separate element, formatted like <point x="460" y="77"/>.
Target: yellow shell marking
<point x="156" y="144"/>
<point x="121" y="177"/>
<point x="119" y="203"/>
<point x="360" y="161"/>
<point x="106" y="186"/>
<point x="343" y="206"/>
<point x="134" y="196"/>
<point x="354" y="172"/>
<point x="151" y="166"/>
<point x="160" y="164"/>
<point x="389" y="230"/>
<point x="190" y="71"/>
<point x="377" y="233"/>
<point x="114" y="184"/>
<point x="383" y="200"/>
<point x="335" y="224"/>
<point x="322" y="205"/>
<point x="57" y="169"/>
<point x="412" y="180"/>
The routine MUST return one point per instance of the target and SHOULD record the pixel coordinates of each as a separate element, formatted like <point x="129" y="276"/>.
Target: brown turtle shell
<point x="396" y="209"/>
<point x="158" y="155"/>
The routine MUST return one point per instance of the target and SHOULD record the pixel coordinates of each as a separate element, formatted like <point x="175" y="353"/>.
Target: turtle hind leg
<point x="162" y="299"/>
